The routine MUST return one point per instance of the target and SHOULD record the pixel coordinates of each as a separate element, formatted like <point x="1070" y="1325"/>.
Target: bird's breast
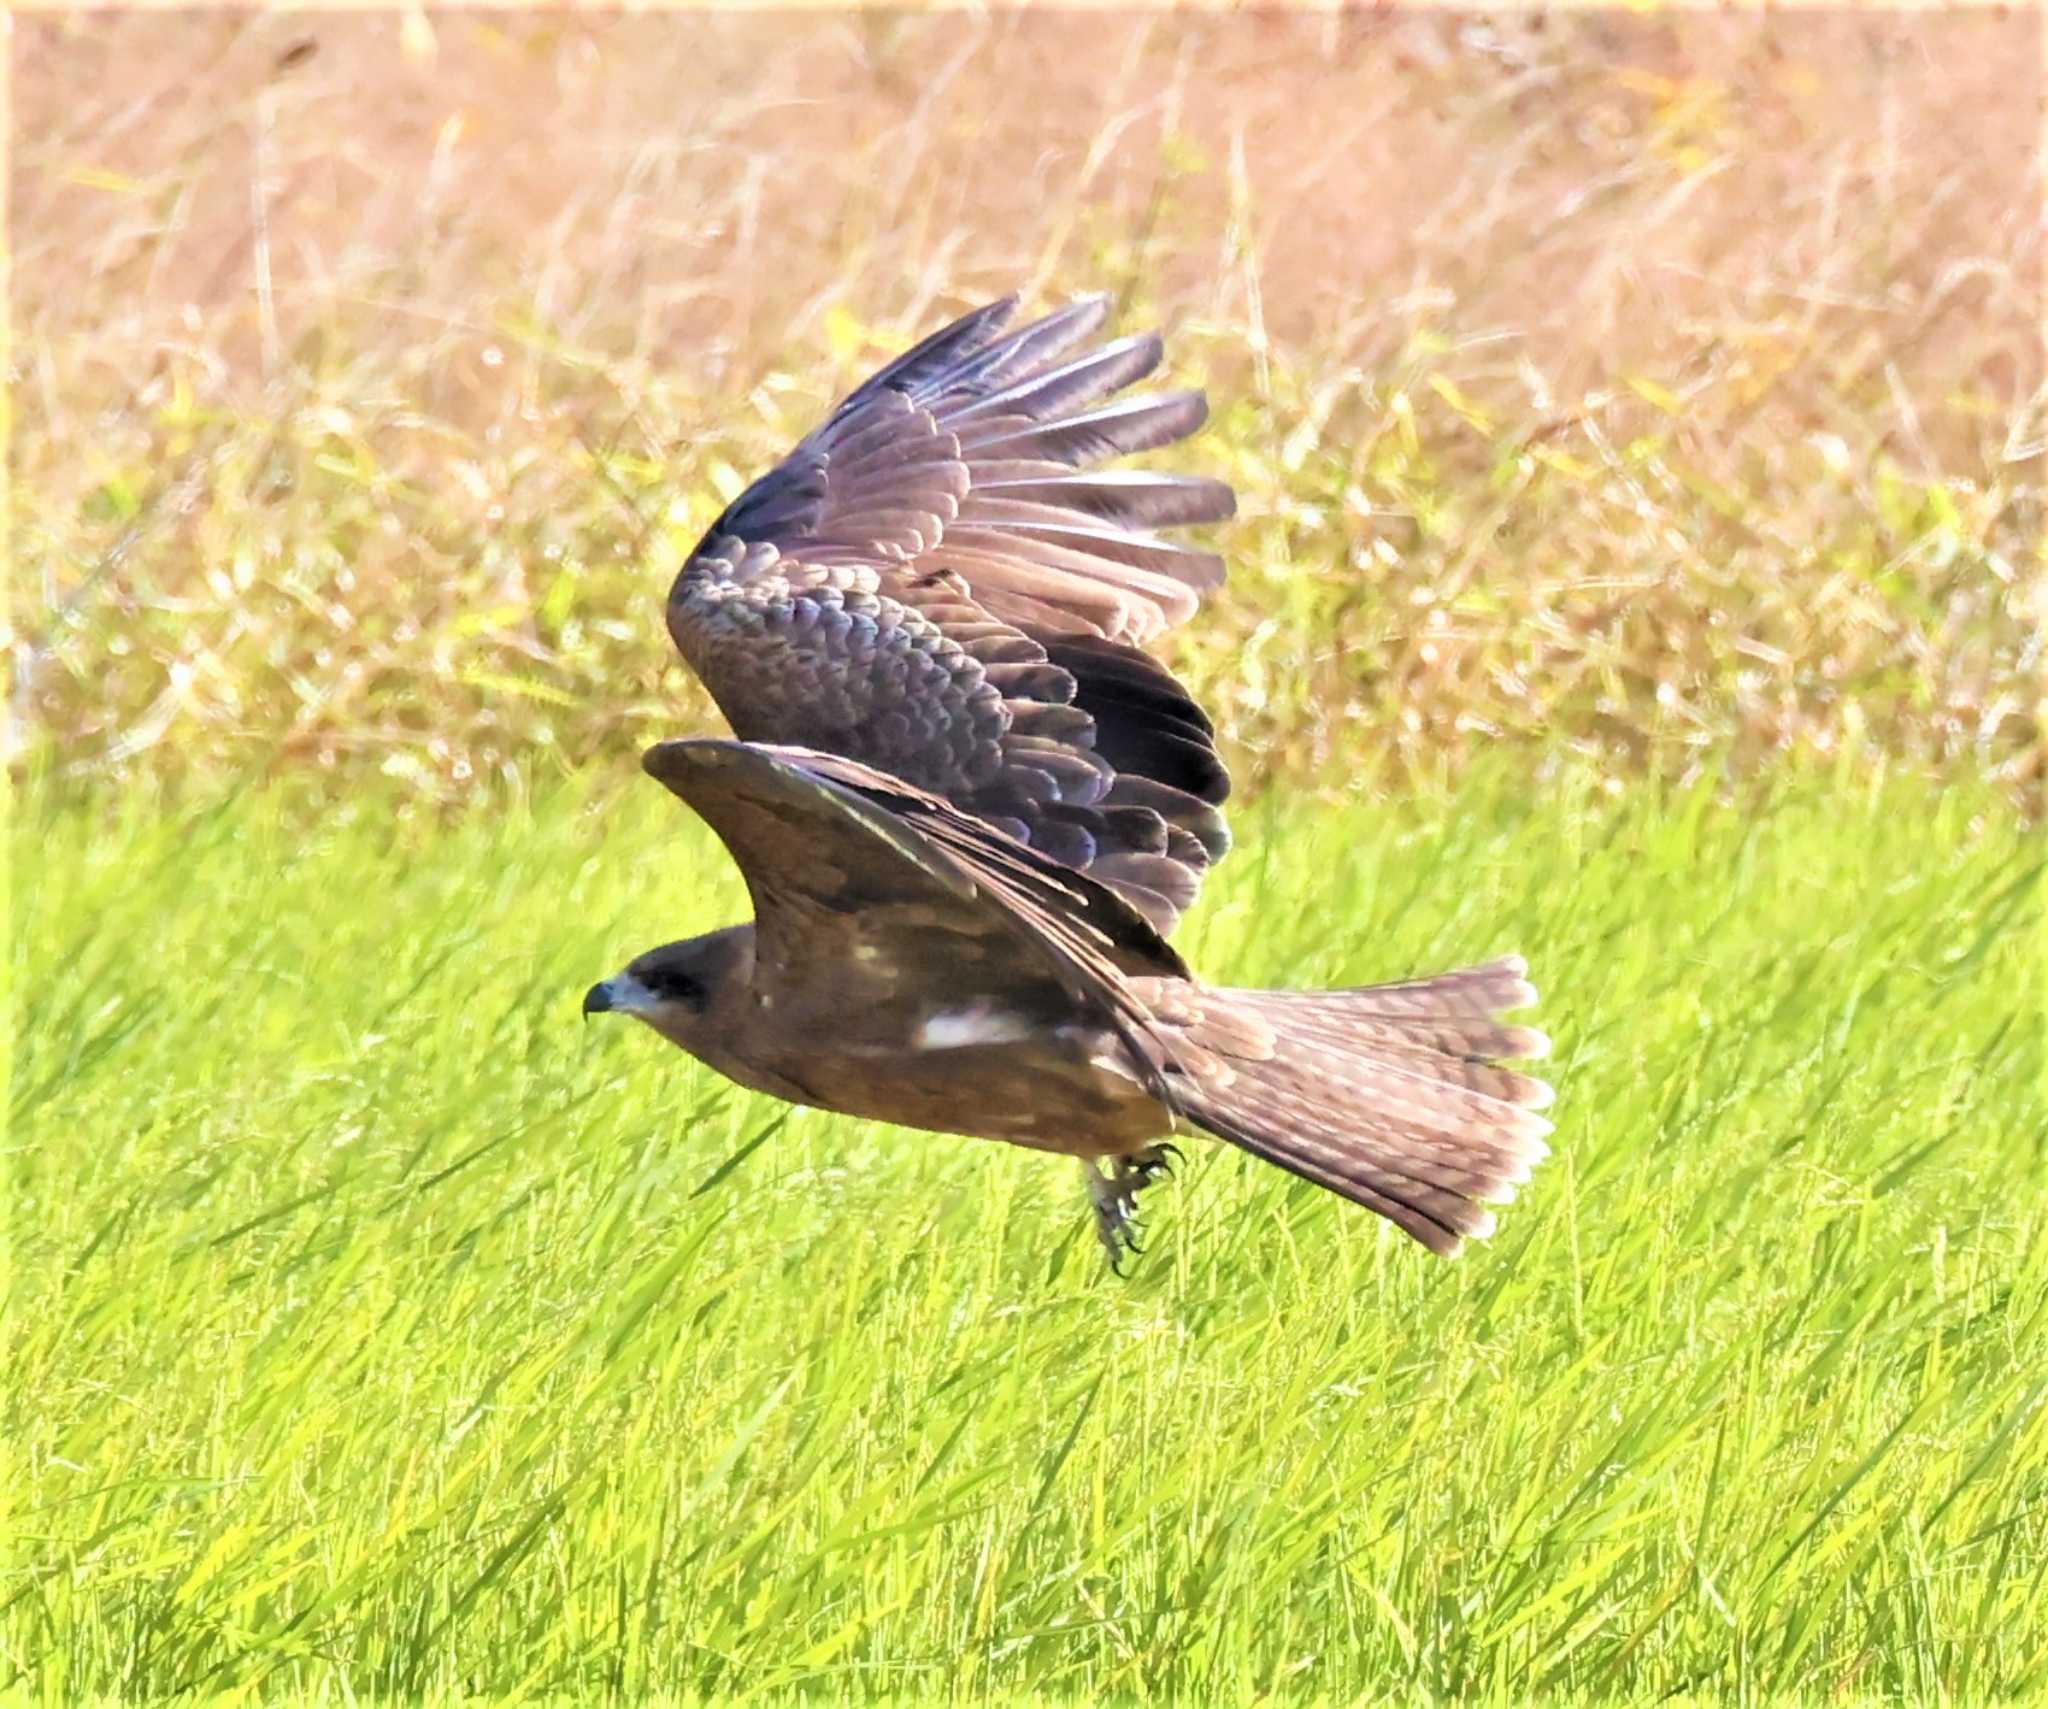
<point x="980" y="1067"/>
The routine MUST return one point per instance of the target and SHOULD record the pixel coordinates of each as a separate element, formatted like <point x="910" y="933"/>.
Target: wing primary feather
<point x="879" y="429"/>
<point x="934" y="354"/>
<point x="1139" y="498"/>
<point x="1080" y="381"/>
<point x="1115" y="430"/>
<point x="1186" y="564"/>
<point x="1041" y="341"/>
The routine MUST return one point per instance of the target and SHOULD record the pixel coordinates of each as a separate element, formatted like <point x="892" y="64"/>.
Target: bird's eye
<point x="681" y="988"/>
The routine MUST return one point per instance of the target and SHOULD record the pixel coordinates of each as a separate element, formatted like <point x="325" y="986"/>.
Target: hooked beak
<point x="622" y="994"/>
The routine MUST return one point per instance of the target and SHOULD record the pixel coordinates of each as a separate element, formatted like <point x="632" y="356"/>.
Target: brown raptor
<point x="969" y="809"/>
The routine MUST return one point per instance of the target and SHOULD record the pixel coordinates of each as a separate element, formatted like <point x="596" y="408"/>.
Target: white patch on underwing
<point x="1119" y="1066"/>
<point x="949" y="1029"/>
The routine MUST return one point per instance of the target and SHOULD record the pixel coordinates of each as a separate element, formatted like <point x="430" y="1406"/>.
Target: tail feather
<point x="1389" y="1095"/>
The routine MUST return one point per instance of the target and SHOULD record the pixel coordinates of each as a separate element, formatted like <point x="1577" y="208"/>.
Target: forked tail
<point x="1391" y="1095"/>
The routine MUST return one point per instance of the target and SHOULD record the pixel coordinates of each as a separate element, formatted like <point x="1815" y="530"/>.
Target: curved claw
<point x="1153" y="1164"/>
<point x="1115" y="1197"/>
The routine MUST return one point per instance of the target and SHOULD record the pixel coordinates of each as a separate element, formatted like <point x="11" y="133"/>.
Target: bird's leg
<point x="1115" y="1195"/>
<point x="1116" y="1204"/>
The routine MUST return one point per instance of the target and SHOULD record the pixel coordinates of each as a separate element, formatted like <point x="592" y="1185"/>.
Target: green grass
<point x="377" y="1330"/>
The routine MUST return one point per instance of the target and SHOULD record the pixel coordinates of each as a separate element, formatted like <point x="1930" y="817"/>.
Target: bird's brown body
<point x="855" y="1035"/>
<point x="970" y="809"/>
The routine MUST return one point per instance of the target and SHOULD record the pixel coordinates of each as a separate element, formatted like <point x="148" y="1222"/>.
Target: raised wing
<point x="831" y="848"/>
<point x="937" y="583"/>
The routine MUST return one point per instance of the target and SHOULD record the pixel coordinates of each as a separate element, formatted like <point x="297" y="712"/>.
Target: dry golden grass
<point x="1667" y="387"/>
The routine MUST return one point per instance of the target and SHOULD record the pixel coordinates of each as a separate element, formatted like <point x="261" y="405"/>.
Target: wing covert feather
<point x="817" y="837"/>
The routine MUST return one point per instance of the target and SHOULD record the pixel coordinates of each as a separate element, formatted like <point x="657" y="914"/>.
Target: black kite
<point x="969" y="809"/>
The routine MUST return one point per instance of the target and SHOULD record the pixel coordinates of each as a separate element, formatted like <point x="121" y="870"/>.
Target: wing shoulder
<point x="814" y="829"/>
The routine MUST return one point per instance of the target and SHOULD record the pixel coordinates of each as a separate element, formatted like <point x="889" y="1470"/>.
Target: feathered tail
<point x="1388" y="1094"/>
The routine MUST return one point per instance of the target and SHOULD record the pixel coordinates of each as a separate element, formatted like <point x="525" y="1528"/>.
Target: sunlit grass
<point x="378" y="1328"/>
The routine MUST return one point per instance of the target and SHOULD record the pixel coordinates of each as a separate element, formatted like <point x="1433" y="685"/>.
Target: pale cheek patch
<point x="629" y="996"/>
<point x="950" y="1029"/>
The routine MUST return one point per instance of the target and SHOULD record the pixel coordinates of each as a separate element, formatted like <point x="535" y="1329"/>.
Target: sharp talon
<point x="1114" y="1192"/>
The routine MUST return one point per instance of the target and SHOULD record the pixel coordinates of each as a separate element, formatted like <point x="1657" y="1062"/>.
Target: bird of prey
<point x="970" y="808"/>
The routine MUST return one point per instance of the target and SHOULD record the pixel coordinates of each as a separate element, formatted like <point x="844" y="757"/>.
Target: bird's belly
<point x="1051" y="1092"/>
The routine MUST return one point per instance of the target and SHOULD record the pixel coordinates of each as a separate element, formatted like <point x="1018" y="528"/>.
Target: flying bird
<point x="970" y="808"/>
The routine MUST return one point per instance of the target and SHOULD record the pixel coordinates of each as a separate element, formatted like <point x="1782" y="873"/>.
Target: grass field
<point x="377" y="1330"/>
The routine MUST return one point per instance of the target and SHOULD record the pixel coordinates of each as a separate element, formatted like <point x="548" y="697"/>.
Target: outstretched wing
<point x="937" y="583"/>
<point x="835" y="854"/>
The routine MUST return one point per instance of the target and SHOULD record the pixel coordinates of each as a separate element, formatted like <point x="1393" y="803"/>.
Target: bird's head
<point x="681" y="990"/>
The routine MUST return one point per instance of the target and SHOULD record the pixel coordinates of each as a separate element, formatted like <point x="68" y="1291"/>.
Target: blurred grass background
<point x="1664" y="388"/>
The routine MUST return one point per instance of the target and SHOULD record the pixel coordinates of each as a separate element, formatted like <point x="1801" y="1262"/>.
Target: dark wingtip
<point x="989" y="319"/>
<point x="669" y="762"/>
<point x="659" y="762"/>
